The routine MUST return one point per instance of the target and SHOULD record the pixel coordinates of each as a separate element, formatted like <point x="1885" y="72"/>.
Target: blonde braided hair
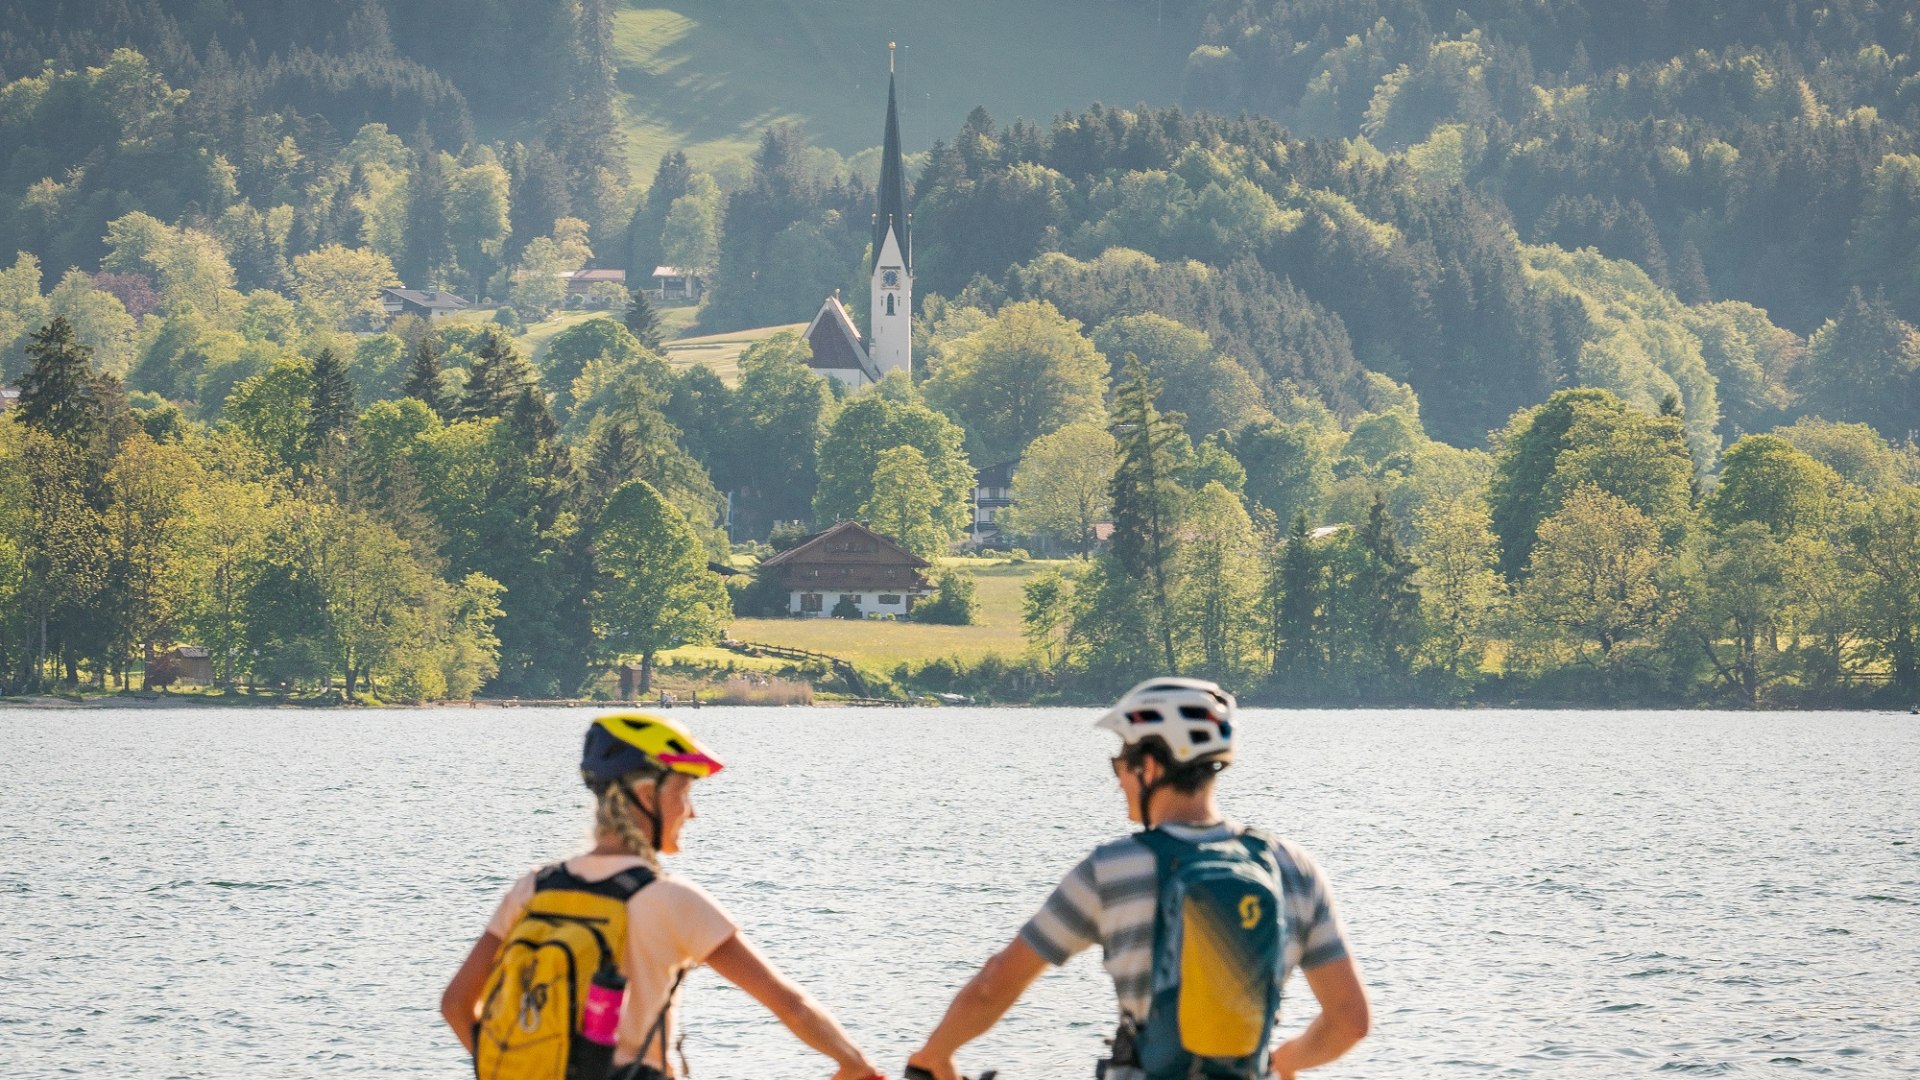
<point x="613" y="815"/>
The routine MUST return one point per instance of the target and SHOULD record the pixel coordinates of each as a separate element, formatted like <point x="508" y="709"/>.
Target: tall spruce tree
<point x="58" y="394"/>
<point x="1384" y="582"/>
<point x="426" y="252"/>
<point x="644" y="322"/>
<point x="1146" y="499"/>
<point x="330" y="413"/>
<point x="1296" y="602"/>
<point x="495" y="381"/>
<point x="423" y="378"/>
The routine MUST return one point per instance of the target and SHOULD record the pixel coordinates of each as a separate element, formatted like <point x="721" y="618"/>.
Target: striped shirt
<point x="1111" y="896"/>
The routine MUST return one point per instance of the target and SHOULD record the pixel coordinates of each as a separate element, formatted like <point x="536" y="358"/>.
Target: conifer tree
<point x="1384" y="582"/>
<point x="1146" y="500"/>
<point x="423" y="378"/>
<point x="57" y="394"/>
<point x="426" y="251"/>
<point x="644" y="322"/>
<point x="495" y="381"/>
<point x="330" y="415"/>
<point x="1297" y="601"/>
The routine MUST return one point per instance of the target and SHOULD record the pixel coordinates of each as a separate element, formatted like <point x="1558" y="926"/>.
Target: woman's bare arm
<point x="742" y="965"/>
<point x="460" y="1004"/>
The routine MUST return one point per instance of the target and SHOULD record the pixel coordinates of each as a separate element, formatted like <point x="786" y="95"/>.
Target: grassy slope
<point x="707" y="76"/>
<point x="721" y="352"/>
<point x="881" y="645"/>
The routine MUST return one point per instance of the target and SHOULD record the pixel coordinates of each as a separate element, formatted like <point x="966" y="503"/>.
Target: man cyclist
<point x="1176" y="734"/>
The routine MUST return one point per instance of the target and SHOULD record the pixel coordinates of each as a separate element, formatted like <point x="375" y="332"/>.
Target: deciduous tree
<point x="652" y="588"/>
<point x="904" y="502"/>
<point x="1026" y="372"/>
<point x="1063" y="485"/>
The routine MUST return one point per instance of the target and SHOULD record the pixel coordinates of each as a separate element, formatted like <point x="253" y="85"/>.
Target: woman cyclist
<point x="641" y="769"/>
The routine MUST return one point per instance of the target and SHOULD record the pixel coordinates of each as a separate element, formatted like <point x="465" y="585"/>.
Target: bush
<point x="786" y="534"/>
<point x="846" y="609"/>
<point x="757" y="596"/>
<point x="510" y="319"/>
<point x="1018" y="555"/>
<point x="952" y="606"/>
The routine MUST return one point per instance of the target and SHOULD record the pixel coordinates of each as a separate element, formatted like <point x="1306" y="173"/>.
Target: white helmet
<point x="1192" y="718"/>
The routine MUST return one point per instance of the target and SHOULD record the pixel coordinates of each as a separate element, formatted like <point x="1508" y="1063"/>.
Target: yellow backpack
<point x="529" y="1026"/>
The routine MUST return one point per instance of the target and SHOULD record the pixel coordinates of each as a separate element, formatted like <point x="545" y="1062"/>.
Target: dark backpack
<point x="1219" y="938"/>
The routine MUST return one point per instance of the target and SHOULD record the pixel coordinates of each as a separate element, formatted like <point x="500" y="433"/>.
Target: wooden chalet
<point x="853" y="563"/>
<point x="429" y="304"/>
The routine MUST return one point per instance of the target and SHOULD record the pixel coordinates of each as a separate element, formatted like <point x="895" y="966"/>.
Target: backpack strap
<point x="620" y="886"/>
<point x="1261" y="845"/>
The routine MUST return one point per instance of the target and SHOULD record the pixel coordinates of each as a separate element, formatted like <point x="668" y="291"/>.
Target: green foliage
<point x="952" y="604"/>
<point x="1592" y="595"/>
<point x="604" y="339"/>
<point x="1862" y="366"/>
<point x="498" y="378"/>
<point x="1024" y="372"/>
<point x="1210" y="391"/>
<point x="643" y="322"/>
<point x="1147" y="499"/>
<point x="1880" y="552"/>
<point x="1063" y="485"/>
<point x="1765" y="480"/>
<point x="904" y="502"/>
<point x="652" y="589"/>
<point x="1219" y="588"/>
<point x="1045" y="612"/>
<point x="58" y="393"/>
<point x="1524" y="464"/>
<point x="1854" y="451"/>
<point x="870" y="425"/>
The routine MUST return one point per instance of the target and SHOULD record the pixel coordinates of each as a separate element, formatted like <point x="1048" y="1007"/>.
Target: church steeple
<point x="890" y="344"/>
<point x="892" y="210"/>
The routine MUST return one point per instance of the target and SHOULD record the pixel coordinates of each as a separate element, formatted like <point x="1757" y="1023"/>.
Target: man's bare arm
<point x="1344" y="1019"/>
<point x="978" y="1006"/>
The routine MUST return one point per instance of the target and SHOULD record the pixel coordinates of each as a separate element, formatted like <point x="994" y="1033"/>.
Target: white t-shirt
<point x="672" y="925"/>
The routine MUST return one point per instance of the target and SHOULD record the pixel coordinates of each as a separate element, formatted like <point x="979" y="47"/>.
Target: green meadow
<point x="708" y="76"/>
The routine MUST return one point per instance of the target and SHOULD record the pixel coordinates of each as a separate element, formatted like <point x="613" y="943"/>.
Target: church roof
<point x="836" y="341"/>
<point x="892" y="208"/>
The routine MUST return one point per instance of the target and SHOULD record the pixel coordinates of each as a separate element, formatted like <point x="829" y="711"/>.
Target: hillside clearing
<point x="721" y="352"/>
<point x="708" y="76"/>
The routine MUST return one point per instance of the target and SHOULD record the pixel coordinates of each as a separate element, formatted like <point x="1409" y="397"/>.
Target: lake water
<point x="283" y="893"/>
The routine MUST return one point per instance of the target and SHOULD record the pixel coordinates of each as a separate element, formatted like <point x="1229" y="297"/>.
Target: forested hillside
<point x="1402" y="322"/>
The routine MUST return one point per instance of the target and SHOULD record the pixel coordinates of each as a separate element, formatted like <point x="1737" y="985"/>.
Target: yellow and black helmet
<point x="622" y="743"/>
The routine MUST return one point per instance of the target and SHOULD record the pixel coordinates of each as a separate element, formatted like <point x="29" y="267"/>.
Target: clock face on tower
<point x="889" y="279"/>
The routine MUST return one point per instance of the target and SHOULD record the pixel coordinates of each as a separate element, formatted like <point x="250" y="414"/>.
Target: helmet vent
<point x="1195" y="712"/>
<point x="1200" y="736"/>
<point x="1145" y="716"/>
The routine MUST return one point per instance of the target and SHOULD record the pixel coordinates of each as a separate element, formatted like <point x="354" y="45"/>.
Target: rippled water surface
<point x="283" y="893"/>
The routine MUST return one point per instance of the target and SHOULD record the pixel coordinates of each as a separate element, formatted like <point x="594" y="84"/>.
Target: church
<point x="839" y="349"/>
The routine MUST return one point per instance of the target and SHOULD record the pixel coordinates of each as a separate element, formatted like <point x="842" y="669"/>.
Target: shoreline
<point x="54" y="703"/>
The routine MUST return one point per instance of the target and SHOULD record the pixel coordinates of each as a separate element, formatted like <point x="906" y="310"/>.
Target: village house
<point x="992" y="495"/>
<point x="581" y="285"/>
<point x="675" y="283"/>
<point x="429" y="304"/>
<point x="851" y="563"/>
